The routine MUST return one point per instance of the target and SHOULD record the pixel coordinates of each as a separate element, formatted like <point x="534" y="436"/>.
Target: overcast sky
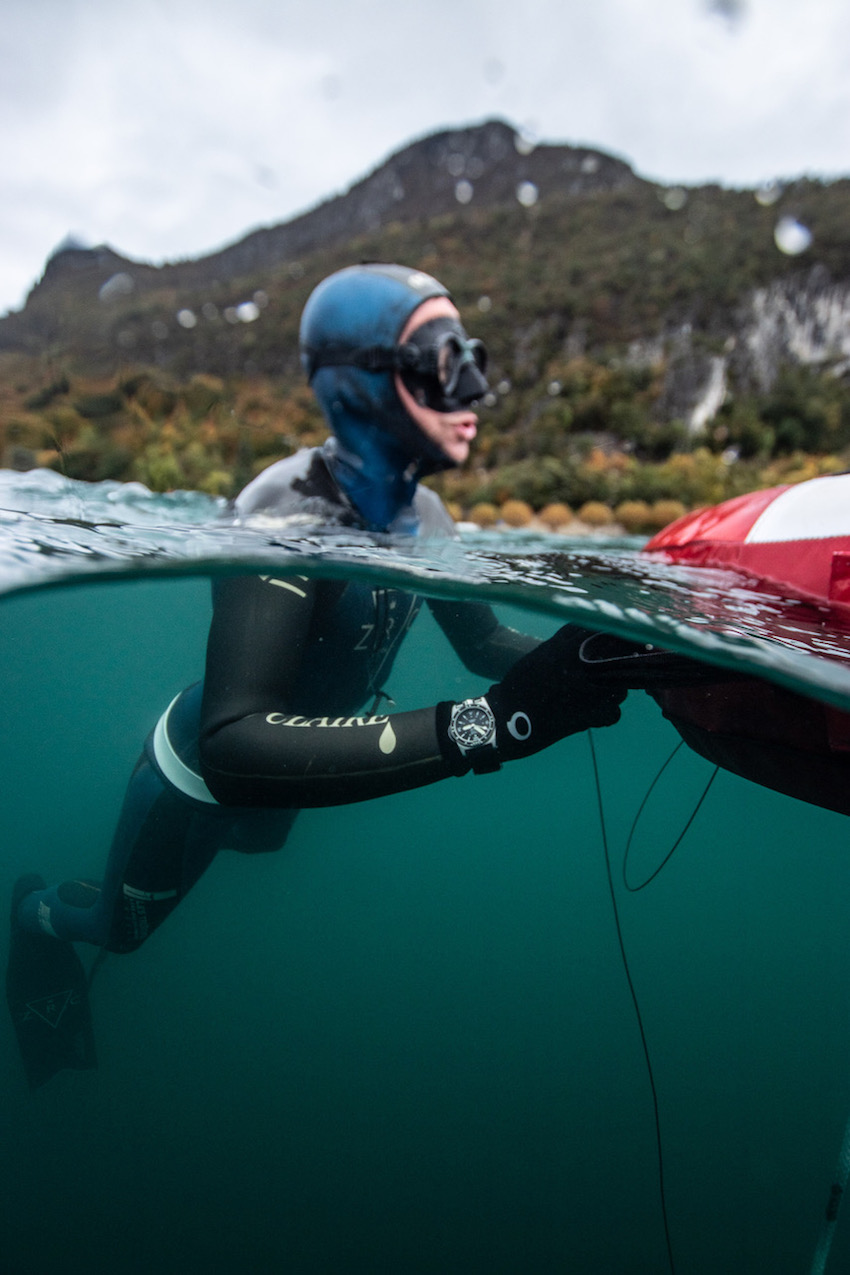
<point x="167" y="128"/>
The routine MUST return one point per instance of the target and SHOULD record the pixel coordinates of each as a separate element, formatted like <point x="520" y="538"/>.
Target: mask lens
<point x="442" y="367"/>
<point x="453" y="355"/>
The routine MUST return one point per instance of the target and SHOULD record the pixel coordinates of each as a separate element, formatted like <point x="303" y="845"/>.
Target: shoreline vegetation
<point x="213" y="435"/>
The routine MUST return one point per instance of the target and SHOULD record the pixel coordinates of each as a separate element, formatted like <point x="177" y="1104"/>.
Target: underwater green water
<point x="405" y="1042"/>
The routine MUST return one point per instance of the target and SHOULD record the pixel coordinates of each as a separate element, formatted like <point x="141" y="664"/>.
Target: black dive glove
<point x="545" y="696"/>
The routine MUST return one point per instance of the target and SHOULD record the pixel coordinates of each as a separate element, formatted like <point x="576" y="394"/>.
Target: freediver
<point x="288" y="714"/>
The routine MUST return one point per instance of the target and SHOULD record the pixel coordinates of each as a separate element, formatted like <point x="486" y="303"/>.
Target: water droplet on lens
<point x="504" y="386"/>
<point x="209" y="311"/>
<point x="187" y="318"/>
<point x="490" y="399"/>
<point x="261" y="298"/>
<point x="484" y="304"/>
<point x="525" y="141"/>
<point x="456" y="164"/>
<point x="474" y="167"/>
<point x="119" y="285"/>
<point x="553" y="388"/>
<point x="247" y="312"/>
<point x="463" y="192"/>
<point x="527" y="193"/>
<point x="791" y="236"/>
<point x="590" y="164"/>
<point x="231" y="314"/>
<point x="768" y="193"/>
<point x="675" y="198"/>
<point x="159" y="330"/>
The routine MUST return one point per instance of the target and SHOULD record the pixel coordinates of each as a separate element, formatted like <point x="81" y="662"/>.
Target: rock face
<point x="487" y="164"/>
<point x="802" y="320"/>
<point x="701" y="340"/>
<point x="490" y="164"/>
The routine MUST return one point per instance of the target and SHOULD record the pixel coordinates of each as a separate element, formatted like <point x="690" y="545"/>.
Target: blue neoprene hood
<point x="379" y="454"/>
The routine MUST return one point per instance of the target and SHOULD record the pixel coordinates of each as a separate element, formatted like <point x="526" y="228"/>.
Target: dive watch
<point x="473" y="729"/>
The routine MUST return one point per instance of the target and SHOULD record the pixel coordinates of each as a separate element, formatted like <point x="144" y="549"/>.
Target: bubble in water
<point x="209" y="311"/>
<point x="527" y="193"/>
<point x="474" y="167"/>
<point x="489" y="399"/>
<point x="554" y="388"/>
<point x="791" y="236"/>
<point x="675" y="198"/>
<point x="484" y="304"/>
<point x="187" y="318"/>
<point x="119" y="285"/>
<point x="247" y="312"/>
<point x="261" y="298"/>
<point x="456" y="163"/>
<point x="504" y="386"/>
<point x="231" y="314"/>
<point x="590" y="164"/>
<point x="159" y="330"/>
<point x="768" y="193"/>
<point x="463" y="192"/>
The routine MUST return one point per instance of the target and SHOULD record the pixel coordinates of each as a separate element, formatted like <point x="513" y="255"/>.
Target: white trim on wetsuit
<point x="173" y="768"/>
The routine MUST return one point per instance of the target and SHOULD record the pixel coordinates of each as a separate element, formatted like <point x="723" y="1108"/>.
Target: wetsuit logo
<point x="281" y="719"/>
<point x="520" y="726"/>
<point x="51" y="1009"/>
<point x="386" y="741"/>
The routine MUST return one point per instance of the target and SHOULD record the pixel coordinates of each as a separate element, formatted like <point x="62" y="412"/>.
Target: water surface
<point x="406" y="1042"/>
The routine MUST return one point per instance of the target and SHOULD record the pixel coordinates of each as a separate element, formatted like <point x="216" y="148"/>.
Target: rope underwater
<point x="635" y="1003"/>
<point x="830" y="1217"/>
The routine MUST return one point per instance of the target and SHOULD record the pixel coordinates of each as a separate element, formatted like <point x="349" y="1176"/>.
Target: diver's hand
<point x="544" y="697"/>
<point x="548" y="695"/>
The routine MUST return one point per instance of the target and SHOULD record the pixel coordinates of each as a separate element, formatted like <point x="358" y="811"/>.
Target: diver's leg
<point x="46" y="985"/>
<point x="158" y="852"/>
<point x="163" y="844"/>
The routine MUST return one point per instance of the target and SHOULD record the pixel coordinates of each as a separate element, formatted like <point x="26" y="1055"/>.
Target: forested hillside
<point x="646" y="343"/>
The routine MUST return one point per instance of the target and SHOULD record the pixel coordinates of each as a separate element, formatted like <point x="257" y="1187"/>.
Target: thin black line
<point x="633" y="994"/>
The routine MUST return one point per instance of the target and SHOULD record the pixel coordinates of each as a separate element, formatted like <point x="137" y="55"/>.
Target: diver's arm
<point x="256" y="751"/>
<point x="486" y="647"/>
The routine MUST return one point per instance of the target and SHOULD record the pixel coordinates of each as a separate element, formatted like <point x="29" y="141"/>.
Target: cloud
<point x="167" y="129"/>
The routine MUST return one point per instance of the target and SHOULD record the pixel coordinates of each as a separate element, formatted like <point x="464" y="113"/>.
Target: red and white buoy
<point x="795" y="539"/>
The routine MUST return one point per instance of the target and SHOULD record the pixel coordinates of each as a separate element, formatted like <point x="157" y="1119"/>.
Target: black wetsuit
<point x="279" y="722"/>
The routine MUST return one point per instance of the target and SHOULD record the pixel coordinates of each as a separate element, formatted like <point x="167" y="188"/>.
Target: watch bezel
<point x="477" y="704"/>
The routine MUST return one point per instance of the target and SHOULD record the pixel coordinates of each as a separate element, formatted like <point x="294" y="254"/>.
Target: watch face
<point x="474" y="725"/>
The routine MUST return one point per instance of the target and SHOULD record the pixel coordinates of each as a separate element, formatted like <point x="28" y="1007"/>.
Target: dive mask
<point x="438" y="363"/>
<point x="442" y="367"/>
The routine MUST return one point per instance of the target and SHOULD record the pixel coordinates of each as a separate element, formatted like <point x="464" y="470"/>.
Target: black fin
<point x="47" y="995"/>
